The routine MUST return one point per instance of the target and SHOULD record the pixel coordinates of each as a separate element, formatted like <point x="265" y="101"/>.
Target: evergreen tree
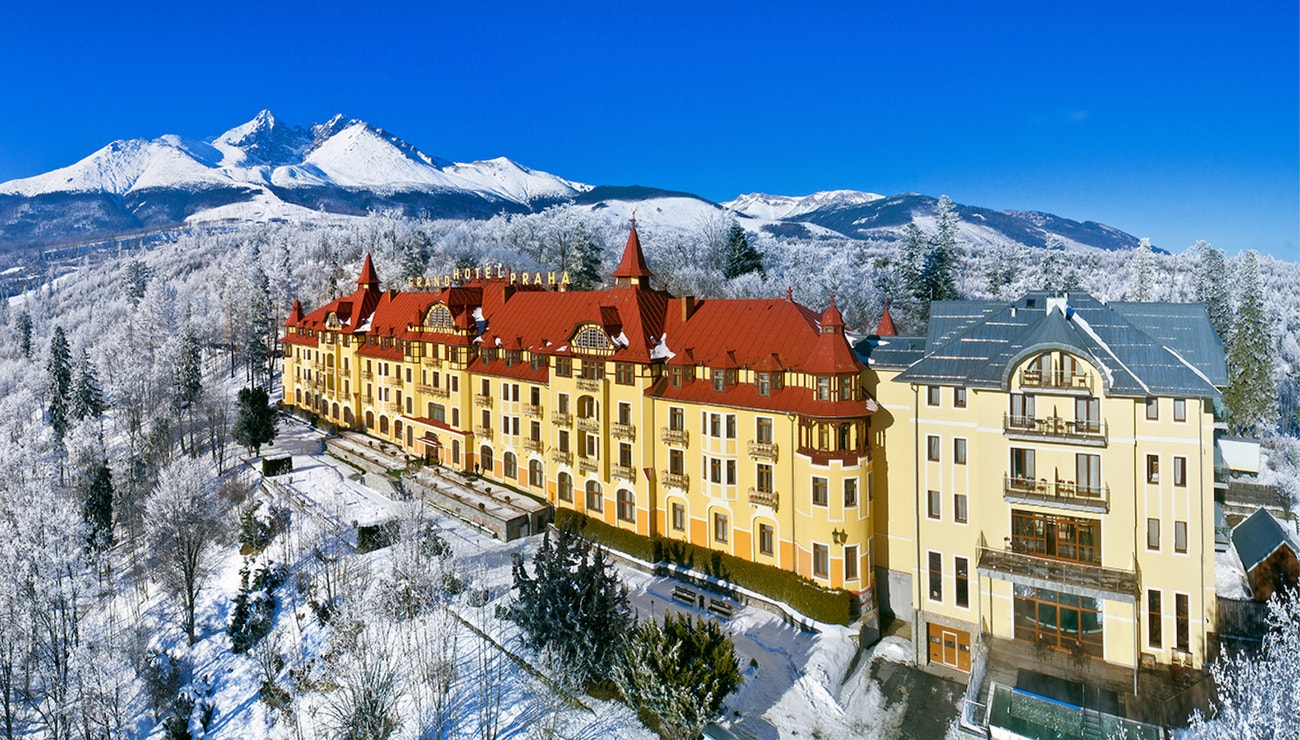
<point x="415" y="256"/>
<point x="914" y="251"/>
<point x="1212" y="287"/>
<point x="97" y="505"/>
<point x="739" y="257"/>
<point x="136" y="280"/>
<point x="680" y="673"/>
<point x="573" y="604"/>
<point x="254" y="420"/>
<point x="187" y="370"/>
<point x="1052" y="269"/>
<point x="59" y="368"/>
<point x="1142" y="282"/>
<point x="25" y="334"/>
<point x="942" y="258"/>
<point x="87" y="397"/>
<point x="584" y="260"/>
<point x="1250" y="397"/>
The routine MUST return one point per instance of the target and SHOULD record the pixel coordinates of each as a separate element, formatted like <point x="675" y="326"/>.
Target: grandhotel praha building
<point x="1041" y="470"/>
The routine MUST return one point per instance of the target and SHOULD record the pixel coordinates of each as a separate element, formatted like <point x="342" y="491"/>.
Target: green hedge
<point x="832" y="606"/>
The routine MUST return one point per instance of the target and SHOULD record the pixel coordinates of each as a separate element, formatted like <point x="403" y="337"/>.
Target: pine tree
<point x="1212" y="287"/>
<point x="1142" y="282"/>
<point x="97" y="506"/>
<point x="25" y="334"/>
<point x="739" y="256"/>
<point x="187" y="370"/>
<point x="1250" y="397"/>
<point x="87" y="397"/>
<point x="1052" y="269"/>
<point x="135" y="280"/>
<point x="59" y="368"/>
<point x="415" y="256"/>
<point x="254" y="420"/>
<point x="584" y="260"/>
<point x="914" y="251"/>
<point x="942" y="258"/>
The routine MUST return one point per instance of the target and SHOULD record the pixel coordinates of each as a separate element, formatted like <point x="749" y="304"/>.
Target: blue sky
<point x="1173" y="120"/>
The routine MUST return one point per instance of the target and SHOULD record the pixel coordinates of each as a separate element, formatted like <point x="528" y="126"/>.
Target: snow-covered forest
<point x="127" y="514"/>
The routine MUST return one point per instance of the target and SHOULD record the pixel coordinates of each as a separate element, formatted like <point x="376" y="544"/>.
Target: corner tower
<point x="632" y="271"/>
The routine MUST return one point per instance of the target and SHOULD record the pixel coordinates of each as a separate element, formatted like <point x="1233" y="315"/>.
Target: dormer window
<point x="823" y="389"/>
<point x="675" y="377"/>
<point x="719" y="380"/>
<point x="592" y="338"/>
<point x="512" y="357"/>
<point x="439" y="317"/>
<point x="846" y="388"/>
<point x="764" y="384"/>
<point x="536" y="363"/>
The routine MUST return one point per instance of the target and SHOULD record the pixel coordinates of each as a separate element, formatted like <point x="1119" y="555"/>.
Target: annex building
<point x="1040" y="470"/>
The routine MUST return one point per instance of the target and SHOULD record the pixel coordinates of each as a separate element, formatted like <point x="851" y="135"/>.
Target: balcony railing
<point x="367" y="398"/>
<point x="482" y="400"/>
<point x="1056" y="379"/>
<point x="536" y="445"/>
<point x="561" y="420"/>
<point x="623" y="431"/>
<point x="440" y="391"/>
<point x="626" y="472"/>
<point x="587" y="464"/>
<point x="1081" y="579"/>
<point x="423" y="388"/>
<point x="763" y="450"/>
<point x="367" y="375"/>
<point x="563" y="457"/>
<point x="533" y="410"/>
<point x="588" y="424"/>
<point x="676" y="480"/>
<point x="482" y="431"/>
<point x="764" y="498"/>
<point x="393" y="380"/>
<point x="1065" y="494"/>
<point x="395" y="407"/>
<point x="430" y="361"/>
<point x="588" y="384"/>
<point x="676" y="437"/>
<point x="1055" y="428"/>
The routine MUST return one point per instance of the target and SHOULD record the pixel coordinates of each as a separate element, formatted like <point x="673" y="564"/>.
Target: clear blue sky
<point x="1173" y="120"/>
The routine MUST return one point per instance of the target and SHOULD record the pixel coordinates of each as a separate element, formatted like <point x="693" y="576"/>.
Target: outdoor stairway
<point x="1092" y="725"/>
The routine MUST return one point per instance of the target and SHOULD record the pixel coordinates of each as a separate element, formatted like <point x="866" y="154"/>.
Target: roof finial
<point x="832" y="299"/>
<point x="789" y="293"/>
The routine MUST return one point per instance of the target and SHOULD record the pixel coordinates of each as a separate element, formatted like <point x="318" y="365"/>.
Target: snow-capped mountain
<point x="782" y="207"/>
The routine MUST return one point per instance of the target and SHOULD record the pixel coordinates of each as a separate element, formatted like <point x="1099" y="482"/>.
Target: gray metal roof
<point x="890" y="353"/>
<point x="1258" y="537"/>
<point x="1174" y="352"/>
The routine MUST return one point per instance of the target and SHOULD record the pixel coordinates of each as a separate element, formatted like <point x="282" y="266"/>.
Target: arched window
<point x="370" y="420"/>
<point x="588" y="408"/>
<point x="592" y="337"/>
<point x="536" y="478"/>
<point x="297" y="396"/>
<point x="397" y="429"/>
<point x="564" y="486"/>
<point x="334" y="411"/>
<point x="595" y="497"/>
<point x="626" y="506"/>
<point x="485" y="458"/>
<point x="383" y="425"/>
<point x="510" y="466"/>
<point x="347" y="416"/>
<point x="439" y="317"/>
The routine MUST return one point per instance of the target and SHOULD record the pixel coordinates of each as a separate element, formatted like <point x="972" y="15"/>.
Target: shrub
<point x="254" y="612"/>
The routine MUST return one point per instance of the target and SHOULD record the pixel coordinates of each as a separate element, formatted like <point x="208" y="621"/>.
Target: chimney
<point x="688" y="307"/>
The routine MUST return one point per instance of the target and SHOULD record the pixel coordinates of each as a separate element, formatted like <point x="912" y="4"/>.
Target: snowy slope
<point x="780" y="207"/>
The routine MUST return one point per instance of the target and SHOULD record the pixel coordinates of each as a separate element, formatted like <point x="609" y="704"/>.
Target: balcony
<point x="483" y="400"/>
<point x="764" y="498"/>
<point x="367" y="399"/>
<point x="431" y="362"/>
<point x="1080" y="579"/>
<point x="588" y="384"/>
<point x="762" y="450"/>
<point x="587" y="464"/>
<point x="561" y="420"/>
<point x="564" y="457"/>
<point x="1056" y="380"/>
<point x="535" y="445"/>
<point x="394" y="380"/>
<point x="367" y="375"/>
<point x="395" y="407"/>
<point x="1090" y="432"/>
<point x="626" y="472"/>
<point x="675" y="437"/>
<point x="423" y="388"/>
<point x="588" y="424"/>
<point x="675" y="480"/>
<point x="439" y="391"/>
<point x="1061" y="494"/>
<point x="623" y="431"/>
<point x="532" y="410"/>
<point x="482" y="431"/>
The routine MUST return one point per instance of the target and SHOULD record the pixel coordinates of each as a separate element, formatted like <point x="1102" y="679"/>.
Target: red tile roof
<point x="633" y="263"/>
<point x="886" y="326"/>
<point x="368" y="275"/>
<point x="788" y="399"/>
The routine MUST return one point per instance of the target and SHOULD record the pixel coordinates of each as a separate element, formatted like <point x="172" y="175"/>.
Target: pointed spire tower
<point x="295" y="314"/>
<point x="369" y="279"/>
<point x="886" y="326"/>
<point x="632" y="271"/>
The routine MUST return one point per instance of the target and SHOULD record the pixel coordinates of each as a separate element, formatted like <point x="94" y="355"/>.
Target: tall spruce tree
<point x="1250" y="397"/>
<point x="739" y="257"/>
<point x="59" y="369"/>
<point x="1142" y="281"/>
<point x="254" y="420"/>
<point x="1212" y="287"/>
<point x="97" y="505"/>
<point x="25" y="334"/>
<point x="583" y="262"/>
<point x="135" y="280"/>
<point x="87" y="396"/>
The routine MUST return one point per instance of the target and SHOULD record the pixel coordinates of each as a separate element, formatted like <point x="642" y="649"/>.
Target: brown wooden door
<point x="935" y="638"/>
<point x="949" y="647"/>
<point x="963" y="651"/>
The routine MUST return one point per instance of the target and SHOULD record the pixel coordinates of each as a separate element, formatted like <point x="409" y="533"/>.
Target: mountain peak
<point x="265" y="140"/>
<point x="777" y="207"/>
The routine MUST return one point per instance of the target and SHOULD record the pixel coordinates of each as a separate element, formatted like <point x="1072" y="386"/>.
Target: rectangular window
<point x="932" y="504"/>
<point x="764" y="478"/>
<point x="1180" y="472"/>
<point x="564" y="440"/>
<point x="624" y="373"/>
<point x="1087" y="415"/>
<point x="962" y="595"/>
<point x="534" y="395"/>
<point x="676" y="462"/>
<point x="505" y="391"/>
<point x="715" y="425"/>
<point x="846" y="388"/>
<point x="766" y="539"/>
<point x="1153" y="533"/>
<point x="823" y="389"/>
<point x="715" y="470"/>
<point x="1153" y="409"/>
<point x="455" y="417"/>
<point x="1087" y="474"/>
<point x="820" y="491"/>
<point x="595" y="499"/>
<point x="932" y="448"/>
<point x="1022" y="410"/>
<point x="625" y="454"/>
<point x="719" y="381"/>
<point x="821" y="561"/>
<point x="1180" y="409"/>
<point x="731" y="426"/>
<point x="851" y="563"/>
<point x="959" y="451"/>
<point x="455" y="383"/>
<point x="1153" y="469"/>
<point x="679" y="517"/>
<point x="1153" y="618"/>
<point x="1180" y="536"/>
<point x="936" y="577"/>
<point x="487" y="387"/>
<point x="850" y="492"/>
<point x="676" y="419"/>
<point x="764" y="384"/>
<point x="959" y="398"/>
<point x="437" y="412"/>
<point x="1182" y="631"/>
<point x="626" y="506"/>
<point x="871" y="487"/>
<point x="932" y="395"/>
<point x="731" y="472"/>
<point x="564" y="367"/>
<point x="625" y="413"/>
<point x="1073" y="539"/>
<point x="562" y="403"/>
<point x="959" y="508"/>
<point x="763" y="430"/>
<point x="720" y="527"/>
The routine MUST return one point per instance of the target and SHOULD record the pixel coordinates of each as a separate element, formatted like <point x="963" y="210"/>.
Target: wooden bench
<point x="720" y="608"/>
<point x="684" y="595"/>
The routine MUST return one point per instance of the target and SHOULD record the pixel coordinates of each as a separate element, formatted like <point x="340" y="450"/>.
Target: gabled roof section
<point x="886" y="326"/>
<point x="295" y="314"/>
<point x="1179" y="326"/>
<point x="1258" y="537"/>
<point x="368" y="279"/>
<point x="632" y="269"/>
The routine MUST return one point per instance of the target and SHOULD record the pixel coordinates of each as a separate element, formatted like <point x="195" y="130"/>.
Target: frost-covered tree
<point x="584" y="265"/>
<point x="1212" y="287"/>
<point x="25" y="334"/>
<point x="59" y="369"/>
<point x="185" y="520"/>
<point x="1250" y="397"/>
<point x="135" y="278"/>
<point x="96" y="493"/>
<point x="87" y="397"/>
<point x="366" y="704"/>
<point x="739" y="257"/>
<point x="1142" y="281"/>
<point x="254" y="420"/>
<point x="680" y="672"/>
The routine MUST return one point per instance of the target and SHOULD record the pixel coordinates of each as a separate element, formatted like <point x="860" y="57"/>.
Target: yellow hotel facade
<point x="959" y="493"/>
